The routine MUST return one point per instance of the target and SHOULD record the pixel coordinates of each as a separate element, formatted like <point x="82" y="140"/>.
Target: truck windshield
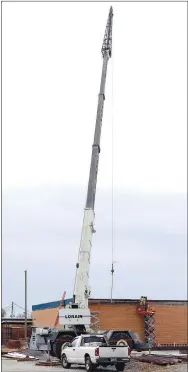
<point x="94" y="340"/>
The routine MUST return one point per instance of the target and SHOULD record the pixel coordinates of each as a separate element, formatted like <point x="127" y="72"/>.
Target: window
<point x="94" y="339"/>
<point x="8" y="333"/>
<point x="74" y="343"/>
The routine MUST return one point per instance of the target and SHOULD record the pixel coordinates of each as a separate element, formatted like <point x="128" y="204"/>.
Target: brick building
<point x="13" y="329"/>
<point x="170" y="317"/>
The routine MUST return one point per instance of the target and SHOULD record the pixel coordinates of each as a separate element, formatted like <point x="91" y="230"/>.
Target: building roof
<point x="136" y="301"/>
<point x="55" y="304"/>
<point x="15" y="320"/>
<point x="50" y="305"/>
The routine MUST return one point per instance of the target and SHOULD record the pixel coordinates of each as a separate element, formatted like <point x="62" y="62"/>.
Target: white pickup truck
<point x="92" y="351"/>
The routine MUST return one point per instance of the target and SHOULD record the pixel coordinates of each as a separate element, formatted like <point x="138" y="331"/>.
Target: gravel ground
<point x="14" y="366"/>
<point x="146" y="367"/>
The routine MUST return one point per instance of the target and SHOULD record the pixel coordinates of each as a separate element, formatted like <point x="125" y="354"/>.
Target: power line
<point x="7" y="307"/>
<point x="20" y="307"/>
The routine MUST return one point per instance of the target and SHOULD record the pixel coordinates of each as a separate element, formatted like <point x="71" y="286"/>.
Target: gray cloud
<point x="41" y="233"/>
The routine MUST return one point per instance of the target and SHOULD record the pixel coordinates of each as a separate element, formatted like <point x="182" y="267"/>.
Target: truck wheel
<point x="120" y="367"/>
<point x="64" y="362"/>
<point x="88" y="364"/>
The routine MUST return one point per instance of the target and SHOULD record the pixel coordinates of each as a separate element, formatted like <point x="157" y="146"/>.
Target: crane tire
<point x="121" y="342"/>
<point x="52" y="351"/>
<point x="56" y="348"/>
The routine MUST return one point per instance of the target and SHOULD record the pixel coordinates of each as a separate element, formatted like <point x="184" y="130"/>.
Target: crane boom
<point x="82" y="288"/>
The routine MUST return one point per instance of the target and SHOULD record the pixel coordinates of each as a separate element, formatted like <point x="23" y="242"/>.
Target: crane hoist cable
<point x="112" y="173"/>
<point x="112" y="125"/>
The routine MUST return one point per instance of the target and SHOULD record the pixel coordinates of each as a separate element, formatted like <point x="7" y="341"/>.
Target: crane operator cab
<point x="75" y="318"/>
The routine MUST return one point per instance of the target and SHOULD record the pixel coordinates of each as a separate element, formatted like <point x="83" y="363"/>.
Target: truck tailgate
<point x="113" y="352"/>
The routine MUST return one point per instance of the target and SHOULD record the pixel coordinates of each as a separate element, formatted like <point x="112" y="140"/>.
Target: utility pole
<point x="25" y="304"/>
<point x="12" y="310"/>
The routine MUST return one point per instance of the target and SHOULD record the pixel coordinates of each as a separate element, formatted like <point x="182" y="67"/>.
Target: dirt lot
<point x="14" y="366"/>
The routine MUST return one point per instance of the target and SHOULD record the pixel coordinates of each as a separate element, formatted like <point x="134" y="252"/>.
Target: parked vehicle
<point x="93" y="351"/>
<point x="121" y="337"/>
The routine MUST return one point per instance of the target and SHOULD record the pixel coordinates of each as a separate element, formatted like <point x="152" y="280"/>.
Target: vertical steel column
<point x="25" y="304"/>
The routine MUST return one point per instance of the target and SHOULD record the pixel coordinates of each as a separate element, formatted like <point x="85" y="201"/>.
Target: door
<point x="71" y="351"/>
<point x="80" y="352"/>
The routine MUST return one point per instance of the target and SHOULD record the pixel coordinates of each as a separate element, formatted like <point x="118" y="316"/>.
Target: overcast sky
<point x="51" y="75"/>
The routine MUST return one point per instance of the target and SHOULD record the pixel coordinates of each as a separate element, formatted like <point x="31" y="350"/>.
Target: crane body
<point x="76" y="316"/>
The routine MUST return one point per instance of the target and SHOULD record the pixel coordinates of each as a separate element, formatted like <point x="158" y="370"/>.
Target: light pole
<point x="112" y="283"/>
<point x="25" y="304"/>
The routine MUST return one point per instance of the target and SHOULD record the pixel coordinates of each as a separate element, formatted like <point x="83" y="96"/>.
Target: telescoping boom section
<point x="82" y="287"/>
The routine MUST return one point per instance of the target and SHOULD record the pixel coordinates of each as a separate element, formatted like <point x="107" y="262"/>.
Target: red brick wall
<point x="16" y="333"/>
<point x="170" y="320"/>
<point x="171" y="324"/>
<point x="119" y="316"/>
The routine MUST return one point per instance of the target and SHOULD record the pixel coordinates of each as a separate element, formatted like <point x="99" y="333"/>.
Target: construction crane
<point x="82" y="287"/>
<point x="76" y="316"/>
